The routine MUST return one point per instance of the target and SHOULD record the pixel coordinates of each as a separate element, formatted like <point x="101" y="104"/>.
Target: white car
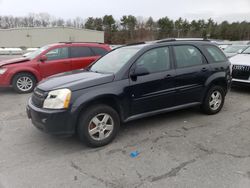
<point x="233" y="50"/>
<point x="241" y="67"/>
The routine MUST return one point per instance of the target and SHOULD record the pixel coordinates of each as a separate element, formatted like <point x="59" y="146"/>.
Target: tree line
<point x="133" y="29"/>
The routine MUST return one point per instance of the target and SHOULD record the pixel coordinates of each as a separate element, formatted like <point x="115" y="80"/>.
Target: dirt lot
<point x="179" y="149"/>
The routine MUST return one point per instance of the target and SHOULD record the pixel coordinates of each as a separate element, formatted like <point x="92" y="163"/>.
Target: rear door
<point x="192" y="71"/>
<point x="81" y="57"/>
<point x="57" y="62"/>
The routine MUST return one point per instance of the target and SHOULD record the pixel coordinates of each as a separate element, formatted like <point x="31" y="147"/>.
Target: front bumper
<point x="55" y="122"/>
<point x="240" y="81"/>
<point x="5" y="80"/>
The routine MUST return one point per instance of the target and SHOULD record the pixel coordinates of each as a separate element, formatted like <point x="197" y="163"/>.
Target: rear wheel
<point x="98" y="125"/>
<point x="214" y="100"/>
<point x="24" y="82"/>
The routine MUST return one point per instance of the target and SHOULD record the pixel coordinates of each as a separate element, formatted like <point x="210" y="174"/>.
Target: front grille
<point x="241" y="72"/>
<point x="38" y="97"/>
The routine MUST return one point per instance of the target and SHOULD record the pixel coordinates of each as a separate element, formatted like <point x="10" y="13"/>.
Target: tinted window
<point x="216" y="54"/>
<point x="155" y="60"/>
<point x="81" y="51"/>
<point x="187" y="56"/>
<point x="58" y="53"/>
<point x="99" y="51"/>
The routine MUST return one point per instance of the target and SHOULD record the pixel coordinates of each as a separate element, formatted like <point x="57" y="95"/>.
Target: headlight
<point x="58" y="99"/>
<point x="3" y="70"/>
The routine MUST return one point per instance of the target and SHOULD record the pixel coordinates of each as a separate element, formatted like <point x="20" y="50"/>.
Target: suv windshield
<point x="234" y="49"/>
<point x="247" y="51"/>
<point x="114" y="61"/>
<point x="34" y="54"/>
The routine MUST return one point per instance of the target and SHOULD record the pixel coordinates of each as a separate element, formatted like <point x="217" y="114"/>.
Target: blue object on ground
<point x="134" y="154"/>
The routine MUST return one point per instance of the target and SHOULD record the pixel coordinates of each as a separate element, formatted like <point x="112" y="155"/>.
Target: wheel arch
<point x="107" y="99"/>
<point x="27" y="71"/>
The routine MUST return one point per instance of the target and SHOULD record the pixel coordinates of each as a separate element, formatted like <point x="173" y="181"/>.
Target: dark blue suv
<point x="131" y="82"/>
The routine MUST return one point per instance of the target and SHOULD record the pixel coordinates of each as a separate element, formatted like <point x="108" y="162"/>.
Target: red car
<point x="24" y="73"/>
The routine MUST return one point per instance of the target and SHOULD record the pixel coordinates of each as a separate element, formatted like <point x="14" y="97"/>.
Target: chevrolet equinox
<point x="128" y="83"/>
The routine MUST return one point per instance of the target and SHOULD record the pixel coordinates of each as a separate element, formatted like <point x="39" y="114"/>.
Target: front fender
<point x="29" y="70"/>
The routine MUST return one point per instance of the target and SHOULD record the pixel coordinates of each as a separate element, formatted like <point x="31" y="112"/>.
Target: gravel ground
<point x="179" y="149"/>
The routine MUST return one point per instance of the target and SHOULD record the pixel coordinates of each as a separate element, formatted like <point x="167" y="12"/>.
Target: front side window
<point x="216" y="53"/>
<point x="80" y="51"/>
<point x="58" y="53"/>
<point x="155" y="60"/>
<point x="187" y="56"/>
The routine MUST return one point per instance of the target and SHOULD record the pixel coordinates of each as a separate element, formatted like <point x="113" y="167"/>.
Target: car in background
<point x="233" y="50"/>
<point x="131" y="82"/>
<point x="24" y="73"/>
<point x="241" y="67"/>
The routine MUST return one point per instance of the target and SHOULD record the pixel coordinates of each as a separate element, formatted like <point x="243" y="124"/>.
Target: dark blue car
<point x="131" y="82"/>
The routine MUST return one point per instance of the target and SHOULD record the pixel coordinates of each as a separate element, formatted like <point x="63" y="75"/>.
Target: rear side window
<point x="80" y="51"/>
<point x="216" y="53"/>
<point x="187" y="56"/>
<point x="99" y="51"/>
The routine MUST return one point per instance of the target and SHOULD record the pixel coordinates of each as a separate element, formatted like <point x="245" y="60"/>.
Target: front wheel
<point x="98" y="125"/>
<point x="214" y="100"/>
<point x="23" y="82"/>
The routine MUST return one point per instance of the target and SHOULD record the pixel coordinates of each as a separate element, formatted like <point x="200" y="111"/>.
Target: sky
<point x="219" y="10"/>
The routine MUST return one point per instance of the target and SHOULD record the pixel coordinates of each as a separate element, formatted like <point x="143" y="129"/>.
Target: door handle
<point x="168" y="76"/>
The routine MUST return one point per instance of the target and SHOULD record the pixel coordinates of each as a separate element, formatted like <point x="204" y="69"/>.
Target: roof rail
<point x="136" y="43"/>
<point x="181" y="39"/>
<point x="82" y="42"/>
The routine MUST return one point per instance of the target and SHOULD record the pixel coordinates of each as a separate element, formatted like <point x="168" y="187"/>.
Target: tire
<point x="93" y="120"/>
<point x="211" y="105"/>
<point x="27" y="79"/>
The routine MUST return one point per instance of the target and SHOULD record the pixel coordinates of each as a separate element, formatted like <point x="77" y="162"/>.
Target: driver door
<point x="57" y="62"/>
<point x="157" y="89"/>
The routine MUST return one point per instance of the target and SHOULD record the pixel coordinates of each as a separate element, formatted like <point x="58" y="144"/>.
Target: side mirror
<point x="139" y="71"/>
<point x="43" y="58"/>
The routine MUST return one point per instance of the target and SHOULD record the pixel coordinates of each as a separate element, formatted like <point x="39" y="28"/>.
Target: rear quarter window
<point x="216" y="54"/>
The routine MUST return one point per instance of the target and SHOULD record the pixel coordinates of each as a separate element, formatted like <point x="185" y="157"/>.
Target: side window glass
<point x="216" y="54"/>
<point x="58" y="53"/>
<point x="99" y="51"/>
<point x="81" y="51"/>
<point x="156" y="60"/>
<point x="187" y="56"/>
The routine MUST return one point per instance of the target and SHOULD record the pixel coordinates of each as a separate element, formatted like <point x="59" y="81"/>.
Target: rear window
<point x="80" y="51"/>
<point x="216" y="53"/>
<point x="99" y="51"/>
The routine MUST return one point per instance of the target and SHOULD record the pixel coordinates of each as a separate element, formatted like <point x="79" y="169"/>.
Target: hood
<point x="75" y="80"/>
<point x="240" y="59"/>
<point x="12" y="61"/>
